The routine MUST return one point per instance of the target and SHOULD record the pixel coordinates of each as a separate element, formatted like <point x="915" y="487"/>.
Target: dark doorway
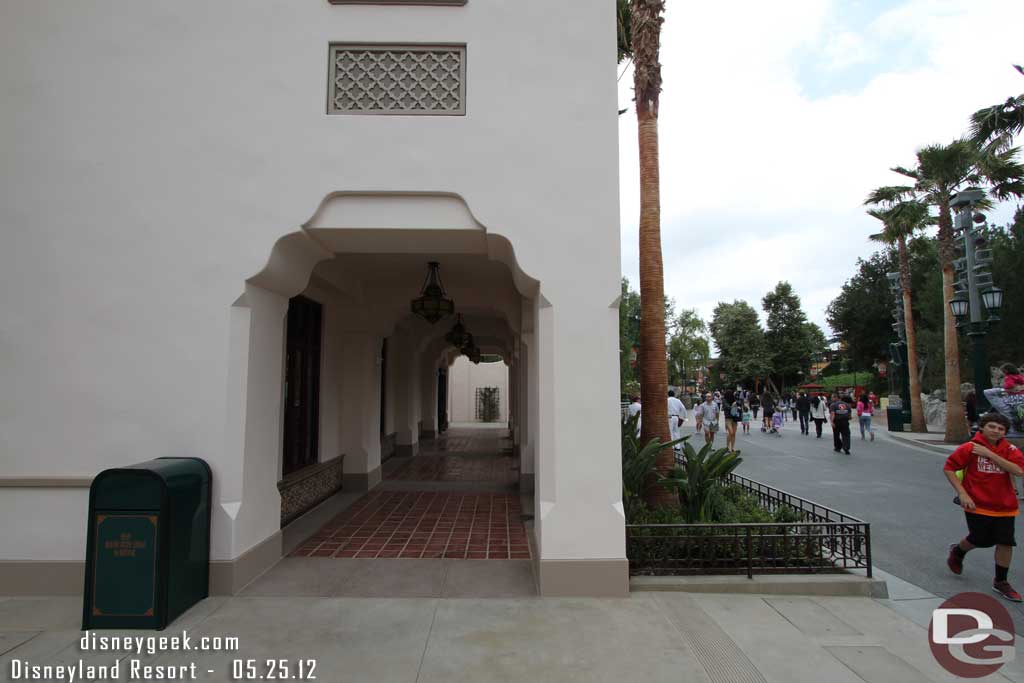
<point x="302" y="384"/>
<point x="383" y="384"/>
<point x="442" y="400"/>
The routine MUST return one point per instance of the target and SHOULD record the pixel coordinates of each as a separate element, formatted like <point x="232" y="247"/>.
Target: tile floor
<point x="421" y="525"/>
<point x="460" y="468"/>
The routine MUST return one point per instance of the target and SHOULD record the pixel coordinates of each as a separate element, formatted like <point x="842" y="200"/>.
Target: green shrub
<point x="637" y="461"/>
<point x="699" y="478"/>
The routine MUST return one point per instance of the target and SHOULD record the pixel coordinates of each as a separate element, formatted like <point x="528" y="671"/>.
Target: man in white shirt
<point x="634" y="409"/>
<point x="707" y="417"/>
<point x="676" y="418"/>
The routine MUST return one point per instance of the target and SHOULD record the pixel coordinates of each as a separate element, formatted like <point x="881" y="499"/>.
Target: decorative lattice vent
<point x="397" y="79"/>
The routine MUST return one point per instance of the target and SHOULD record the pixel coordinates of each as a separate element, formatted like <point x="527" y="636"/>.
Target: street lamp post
<point x="975" y="293"/>
<point x="898" y="352"/>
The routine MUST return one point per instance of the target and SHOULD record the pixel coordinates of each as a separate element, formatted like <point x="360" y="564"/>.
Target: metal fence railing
<point x="825" y="540"/>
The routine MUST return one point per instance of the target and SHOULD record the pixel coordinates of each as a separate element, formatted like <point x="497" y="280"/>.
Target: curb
<point x="945" y="450"/>
<point x="771" y="584"/>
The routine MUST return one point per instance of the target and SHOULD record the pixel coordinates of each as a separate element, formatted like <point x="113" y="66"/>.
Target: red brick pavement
<point x="415" y="524"/>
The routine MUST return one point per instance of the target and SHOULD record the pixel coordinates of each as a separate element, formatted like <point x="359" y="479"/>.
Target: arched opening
<point x="337" y="387"/>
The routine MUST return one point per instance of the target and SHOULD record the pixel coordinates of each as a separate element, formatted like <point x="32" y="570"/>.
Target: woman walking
<point x="733" y="409"/>
<point x="819" y="413"/>
<point x="865" y="410"/>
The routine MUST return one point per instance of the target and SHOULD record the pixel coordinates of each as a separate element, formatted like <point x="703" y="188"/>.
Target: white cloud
<point x="761" y="182"/>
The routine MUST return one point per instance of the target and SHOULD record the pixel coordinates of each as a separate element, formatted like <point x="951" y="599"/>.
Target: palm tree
<point x="901" y="221"/>
<point x="996" y="126"/>
<point x="644" y="28"/>
<point x="941" y="172"/>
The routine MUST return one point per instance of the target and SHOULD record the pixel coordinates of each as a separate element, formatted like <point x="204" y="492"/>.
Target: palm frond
<point x="889" y="194"/>
<point x="909" y="172"/>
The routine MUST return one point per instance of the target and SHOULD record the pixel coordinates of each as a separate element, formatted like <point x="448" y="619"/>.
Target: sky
<point x="776" y="121"/>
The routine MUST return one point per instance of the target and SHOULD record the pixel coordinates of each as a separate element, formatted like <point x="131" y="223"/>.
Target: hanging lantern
<point x="433" y="302"/>
<point x="470" y="349"/>
<point x="458" y="336"/>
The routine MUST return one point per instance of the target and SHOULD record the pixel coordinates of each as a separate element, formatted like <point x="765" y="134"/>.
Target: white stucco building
<point x="208" y="209"/>
<point x="466" y="382"/>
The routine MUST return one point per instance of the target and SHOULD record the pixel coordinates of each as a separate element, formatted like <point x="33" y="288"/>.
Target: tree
<point x="1007" y="243"/>
<point x="860" y="314"/>
<point x="791" y="343"/>
<point x="688" y="346"/>
<point x="941" y="172"/>
<point x="737" y="332"/>
<point x="901" y="221"/>
<point x="645" y="32"/>
<point x="995" y="127"/>
<point x="629" y="333"/>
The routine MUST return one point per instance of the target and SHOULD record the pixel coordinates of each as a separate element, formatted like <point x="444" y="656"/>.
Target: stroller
<point x="777" y="419"/>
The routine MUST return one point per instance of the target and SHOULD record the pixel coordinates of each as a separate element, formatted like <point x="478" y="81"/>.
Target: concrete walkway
<point x="646" y="637"/>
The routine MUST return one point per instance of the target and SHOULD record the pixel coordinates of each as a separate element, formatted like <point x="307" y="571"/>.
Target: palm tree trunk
<point x="917" y="419"/>
<point x="956" y="419"/>
<point x="653" y="358"/>
<point x="645" y="24"/>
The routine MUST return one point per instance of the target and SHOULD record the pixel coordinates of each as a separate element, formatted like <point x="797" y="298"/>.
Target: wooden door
<point x="302" y="384"/>
<point x="442" y="400"/>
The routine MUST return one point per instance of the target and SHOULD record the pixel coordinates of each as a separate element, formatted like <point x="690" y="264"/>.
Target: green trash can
<point x="148" y="543"/>
<point x="894" y="417"/>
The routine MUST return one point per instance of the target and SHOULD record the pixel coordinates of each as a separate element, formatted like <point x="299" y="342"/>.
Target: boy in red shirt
<point x="987" y="496"/>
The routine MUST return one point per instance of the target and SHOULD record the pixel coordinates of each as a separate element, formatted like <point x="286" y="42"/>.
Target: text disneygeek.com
<point x="136" y="657"/>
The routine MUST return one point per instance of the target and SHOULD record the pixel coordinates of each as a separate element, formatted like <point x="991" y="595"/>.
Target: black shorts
<point x="986" y="531"/>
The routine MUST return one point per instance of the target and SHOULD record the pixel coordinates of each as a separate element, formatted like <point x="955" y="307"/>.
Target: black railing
<point x="824" y="540"/>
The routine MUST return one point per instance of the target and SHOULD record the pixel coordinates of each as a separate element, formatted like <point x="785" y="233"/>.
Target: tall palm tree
<point x="901" y="220"/>
<point x="997" y="125"/>
<point x="645" y="19"/>
<point x="941" y="172"/>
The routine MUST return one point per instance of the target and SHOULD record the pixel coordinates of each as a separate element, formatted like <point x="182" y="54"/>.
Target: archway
<point x="362" y="257"/>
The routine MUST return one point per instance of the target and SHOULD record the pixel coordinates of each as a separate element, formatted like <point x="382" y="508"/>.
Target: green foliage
<point x="731" y="504"/>
<point x="997" y="125"/>
<point x="688" y="347"/>
<point x="743" y="355"/>
<point x="629" y="335"/>
<point x="488" y="404"/>
<point x="687" y="344"/>
<point x="697" y="479"/>
<point x="792" y="341"/>
<point x="851" y="379"/>
<point x="624" y="33"/>
<point x="862" y="313"/>
<point x="638" y="461"/>
<point x="1008" y="273"/>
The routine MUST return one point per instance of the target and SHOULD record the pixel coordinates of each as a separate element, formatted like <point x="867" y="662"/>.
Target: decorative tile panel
<point x="304" y="489"/>
<point x="397" y="79"/>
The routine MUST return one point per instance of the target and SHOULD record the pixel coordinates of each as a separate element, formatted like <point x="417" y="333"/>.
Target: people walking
<point x="634" y="409"/>
<point x="747" y="415"/>
<point x="803" y="409"/>
<point x="865" y="410"/>
<point x="733" y="409"/>
<point x="767" y="408"/>
<point x="987" y="497"/>
<point x="839" y="413"/>
<point x="676" y="418"/>
<point x="792" y="406"/>
<point x="755" y="404"/>
<point x="707" y="415"/>
<point x="819" y="413"/>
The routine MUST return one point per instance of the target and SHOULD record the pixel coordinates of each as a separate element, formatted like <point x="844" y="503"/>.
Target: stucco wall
<point x="155" y="152"/>
<point x="465" y="378"/>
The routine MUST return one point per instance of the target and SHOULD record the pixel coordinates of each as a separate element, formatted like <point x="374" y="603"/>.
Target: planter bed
<point x="823" y="540"/>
